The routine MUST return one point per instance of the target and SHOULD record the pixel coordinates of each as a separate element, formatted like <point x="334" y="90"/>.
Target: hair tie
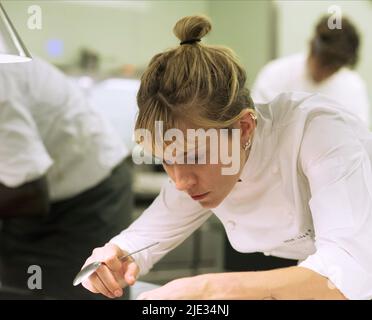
<point x="191" y="41"/>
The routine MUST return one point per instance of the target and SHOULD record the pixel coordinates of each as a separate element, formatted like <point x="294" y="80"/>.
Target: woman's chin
<point x="210" y="203"/>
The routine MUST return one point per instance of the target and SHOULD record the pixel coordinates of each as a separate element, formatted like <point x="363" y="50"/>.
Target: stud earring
<point x="247" y="145"/>
<point x="254" y="117"/>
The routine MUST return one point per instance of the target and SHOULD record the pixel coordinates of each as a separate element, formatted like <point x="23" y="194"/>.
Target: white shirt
<point x="47" y="127"/>
<point x="306" y="193"/>
<point x="291" y="74"/>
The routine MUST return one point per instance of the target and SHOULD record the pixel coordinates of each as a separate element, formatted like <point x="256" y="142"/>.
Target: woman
<point x="302" y="190"/>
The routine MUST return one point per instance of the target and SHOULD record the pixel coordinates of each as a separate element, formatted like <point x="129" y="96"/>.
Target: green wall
<point x="133" y="31"/>
<point x="123" y="32"/>
<point x="245" y="26"/>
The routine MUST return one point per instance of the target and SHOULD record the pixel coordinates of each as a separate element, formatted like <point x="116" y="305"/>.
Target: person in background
<point x="301" y="189"/>
<point x="65" y="184"/>
<point x="326" y="69"/>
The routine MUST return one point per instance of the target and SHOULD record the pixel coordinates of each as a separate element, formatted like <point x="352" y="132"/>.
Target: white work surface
<point x="140" y="287"/>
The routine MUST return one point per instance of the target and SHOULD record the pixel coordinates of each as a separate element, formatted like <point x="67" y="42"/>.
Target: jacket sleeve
<point x="337" y="165"/>
<point x="169" y="220"/>
<point x="23" y="157"/>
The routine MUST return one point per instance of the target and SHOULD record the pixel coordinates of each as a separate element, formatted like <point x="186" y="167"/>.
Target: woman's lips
<point x="199" y="196"/>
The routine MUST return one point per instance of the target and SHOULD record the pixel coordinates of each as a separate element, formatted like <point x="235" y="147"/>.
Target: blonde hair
<point x="201" y="84"/>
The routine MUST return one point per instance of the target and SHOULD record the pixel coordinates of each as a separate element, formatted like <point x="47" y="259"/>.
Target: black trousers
<point x="60" y="243"/>
<point x="237" y="261"/>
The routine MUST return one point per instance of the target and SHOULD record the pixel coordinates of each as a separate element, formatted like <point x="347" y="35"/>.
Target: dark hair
<point x="335" y="48"/>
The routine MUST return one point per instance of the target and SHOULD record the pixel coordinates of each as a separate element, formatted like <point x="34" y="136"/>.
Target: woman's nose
<point x="184" y="180"/>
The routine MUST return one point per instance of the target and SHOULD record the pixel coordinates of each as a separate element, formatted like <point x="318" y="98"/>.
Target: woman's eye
<point x="197" y="159"/>
<point x="168" y="162"/>
<point x="189" y="159"/>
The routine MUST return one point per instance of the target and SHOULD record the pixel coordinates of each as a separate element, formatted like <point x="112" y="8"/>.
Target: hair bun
<point x="192" y="27"/>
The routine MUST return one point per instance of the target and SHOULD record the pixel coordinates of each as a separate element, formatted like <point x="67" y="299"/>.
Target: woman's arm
<point x="287" y="283"/>
<point x="169" y="220"/>
<point x="335" y="157"/>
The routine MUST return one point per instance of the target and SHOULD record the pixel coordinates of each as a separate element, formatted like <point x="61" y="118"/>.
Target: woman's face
<point x="202" y="182"/>
<point x="206" y="182"/>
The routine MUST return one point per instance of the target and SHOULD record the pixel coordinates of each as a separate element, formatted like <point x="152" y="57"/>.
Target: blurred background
<point x="126" y="34"/>
<point x="104" y="46"/>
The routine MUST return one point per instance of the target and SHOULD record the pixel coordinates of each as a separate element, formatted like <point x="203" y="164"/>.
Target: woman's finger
<point x="99" y="286"/>
<point x="131" y="273"/>
<point x="110" y="282"/>
<point x="87" y="284"/>
<point x="111" y="255"/>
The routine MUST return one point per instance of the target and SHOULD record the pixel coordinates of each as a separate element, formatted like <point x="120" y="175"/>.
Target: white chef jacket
<point x="291" y="74"/>
<point x="48" y="127"/>
<point x="306" y="193"/>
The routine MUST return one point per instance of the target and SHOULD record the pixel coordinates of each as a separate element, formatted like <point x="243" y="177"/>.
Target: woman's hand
<point x="113" y="275"/>
<point x="191" y="288"/>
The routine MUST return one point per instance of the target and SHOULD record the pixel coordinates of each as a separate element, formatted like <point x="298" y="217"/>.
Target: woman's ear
<point x="247" y="124"/>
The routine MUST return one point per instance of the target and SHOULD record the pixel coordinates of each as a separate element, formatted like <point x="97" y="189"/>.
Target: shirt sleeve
<point x="23" y="157"/>
<point x="361" y="103"/>
<point x="169" y="220"/>
<point x="269" y="83"/>
<point x="355" y="98"/>
<point x="338" y="168"/>
<point x="261" y="91"/>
